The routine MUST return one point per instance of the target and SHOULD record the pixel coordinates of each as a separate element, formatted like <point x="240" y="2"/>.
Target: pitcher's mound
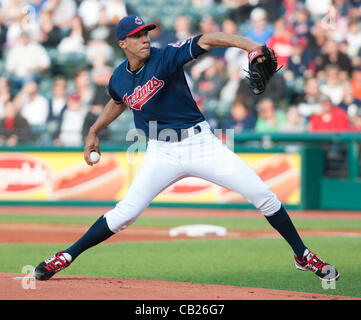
<point x="63" y="287"/>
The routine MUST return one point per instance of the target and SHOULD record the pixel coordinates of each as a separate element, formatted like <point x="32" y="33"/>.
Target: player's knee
<point x="119" y="218"/>
<point x="269" y="203"/>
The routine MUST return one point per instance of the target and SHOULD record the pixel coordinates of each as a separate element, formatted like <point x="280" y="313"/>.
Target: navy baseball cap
<point x="130" y="25"/>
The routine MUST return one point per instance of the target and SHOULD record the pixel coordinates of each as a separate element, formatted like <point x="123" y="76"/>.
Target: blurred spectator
<point x="208" y="25"/>
<point x="183" y="28"/>
<point x="333" y="87"/>
<point x="275" y="8"/>
<point x="74" y="42"/>
<point x="316" y="39"/>
<point x="83" y="86"/>
<point x="301" y="23"/>
<point x="57" y="105"/>
<point x="330" y="118"/>
<point x="3" y="34"/>
<point x="89" y="11"/>
<point x="229" y="90"/>
<point x="242" y="117"/>
<point x="276" y="90"/>
<point x="240" y="10"/>
<point x="100" y="78"/>
<point x="342" y="6"/>
<point x="71" y="123"/>
<point x="300" y="63"/>
<point x="353" y="38"/>
<point x="308" y="103"/>
<point x="5" y="94"/>
<point x="356" y="61"/>
<point x="336" y="21"/>
<point x="103" y="30"/>
<point x="117" y="9"/>
<point x="325" y="36"/>
<point x="36" y="7"/>
<point x="58" y="98"/>
<point x="161" y="38"/>
<point x="318" y="8"/>
<point x="19" y="17"/>
<point x="351" y="105"/>
<point x="14" y="128"/>
<point x="63" y="11"/>
<point x="259" y="30"/>
<point x="208" y="81"/>
<point x="229" y="26"/>
<point x="100" y="40"/>
<point x="289" y="10"/>
<point x="295" y="123"/>
<point x="354" y="10"/>
<point x="348" y="97"/>
<point x="280" y="42"/>
<point x="209" y="115"/>
<point x="356" y="82"/>
<point x="99" y="52"/>
<point x="50" y="35"/>
<point x="202" y="3"/>
<point x="333" y="55"/>
<point x="23" y="69"/>
<point x="33" y="106"/>
<point x="269" y="119"/>
<point x="12" y="9"/>
<point x="234" y="56"/>
<point x="92" y="115"/>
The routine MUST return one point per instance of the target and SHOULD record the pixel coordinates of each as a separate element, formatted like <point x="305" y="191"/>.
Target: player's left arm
<point x="219" y="39"/>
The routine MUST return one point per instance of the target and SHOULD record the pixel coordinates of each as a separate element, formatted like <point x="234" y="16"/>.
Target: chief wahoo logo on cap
<point x="138" y="20"/>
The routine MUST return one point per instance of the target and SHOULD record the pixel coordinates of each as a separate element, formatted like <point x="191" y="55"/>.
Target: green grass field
<point x="263" y="263"/>
<point x="231" y="223"/>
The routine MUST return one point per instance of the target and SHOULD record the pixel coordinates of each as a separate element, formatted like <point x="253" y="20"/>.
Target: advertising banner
<point x="64" y="176"/>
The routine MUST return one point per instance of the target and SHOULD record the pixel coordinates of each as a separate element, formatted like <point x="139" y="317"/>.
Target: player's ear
<point x="122" y="44"/>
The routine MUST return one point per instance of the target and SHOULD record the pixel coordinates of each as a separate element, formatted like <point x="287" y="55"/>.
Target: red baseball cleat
<point x="46" y="269"/>
<point x="322" y="269"/>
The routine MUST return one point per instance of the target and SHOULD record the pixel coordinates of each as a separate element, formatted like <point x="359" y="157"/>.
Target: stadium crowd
<point x="56" y="57"/>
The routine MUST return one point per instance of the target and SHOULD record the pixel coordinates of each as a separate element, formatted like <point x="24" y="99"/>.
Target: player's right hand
<point x="91" y="144"/>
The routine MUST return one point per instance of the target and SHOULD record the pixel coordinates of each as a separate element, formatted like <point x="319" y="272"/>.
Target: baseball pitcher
<point x="151" y="83"/>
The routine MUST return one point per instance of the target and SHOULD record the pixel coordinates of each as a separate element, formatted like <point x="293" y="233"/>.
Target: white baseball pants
<point x="200" y="155"/>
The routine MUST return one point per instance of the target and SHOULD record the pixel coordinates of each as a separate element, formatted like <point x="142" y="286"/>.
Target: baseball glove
<point x="259" y="72"/>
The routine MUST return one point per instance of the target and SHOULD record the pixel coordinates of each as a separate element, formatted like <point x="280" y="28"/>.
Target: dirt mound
<point x="64" y="287"/>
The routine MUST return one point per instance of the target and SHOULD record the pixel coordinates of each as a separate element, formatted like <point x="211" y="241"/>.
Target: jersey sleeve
<point x="111" y="92"/>
<point x="175" y="55"/>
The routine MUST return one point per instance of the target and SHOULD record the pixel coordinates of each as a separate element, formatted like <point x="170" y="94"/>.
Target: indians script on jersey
<point x="142" y="94"/>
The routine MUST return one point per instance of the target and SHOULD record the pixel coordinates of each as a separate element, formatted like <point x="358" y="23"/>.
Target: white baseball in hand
<point x="94" y="156"/>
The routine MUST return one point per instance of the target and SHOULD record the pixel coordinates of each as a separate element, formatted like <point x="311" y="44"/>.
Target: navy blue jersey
<point x="158" y="91"/>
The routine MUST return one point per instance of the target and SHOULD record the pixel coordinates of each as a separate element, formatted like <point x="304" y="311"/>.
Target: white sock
<point x="67" y="256"/>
